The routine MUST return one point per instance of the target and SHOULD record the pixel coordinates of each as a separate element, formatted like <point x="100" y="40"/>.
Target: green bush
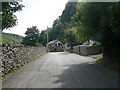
<point x="38" y="44"/>
<point x="51" y="48"/>
<point x="85" y="43"/>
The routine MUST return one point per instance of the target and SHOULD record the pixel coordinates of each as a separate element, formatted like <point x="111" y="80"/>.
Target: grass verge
<point x="99" y="60"/>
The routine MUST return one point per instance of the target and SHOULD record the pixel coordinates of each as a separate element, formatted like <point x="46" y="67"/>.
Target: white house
<point x="56" y="43"/>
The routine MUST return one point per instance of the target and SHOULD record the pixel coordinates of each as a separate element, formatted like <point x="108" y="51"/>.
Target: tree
<point x="68" y="12"/>
<point x="57" y="31"/>
<point x="32" y="37"/>
<point x="8" y="18"/>
<point x="43" y="37"/>
<point x="100" y="21"/>
<point x="71" y="37"/>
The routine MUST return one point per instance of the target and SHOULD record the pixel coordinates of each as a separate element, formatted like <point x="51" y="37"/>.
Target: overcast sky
<point x="40" y="13"/>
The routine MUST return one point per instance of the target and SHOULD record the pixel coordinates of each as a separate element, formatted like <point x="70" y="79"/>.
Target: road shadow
<point x="87" y="75"/>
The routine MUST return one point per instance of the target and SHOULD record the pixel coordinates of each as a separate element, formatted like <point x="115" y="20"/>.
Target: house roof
<point x="53" y="42"/>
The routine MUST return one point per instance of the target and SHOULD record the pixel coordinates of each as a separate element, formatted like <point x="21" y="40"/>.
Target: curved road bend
<point x="62" y="70"/>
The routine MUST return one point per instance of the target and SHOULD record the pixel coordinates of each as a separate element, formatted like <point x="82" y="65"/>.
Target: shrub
<point x="85" y="43"/>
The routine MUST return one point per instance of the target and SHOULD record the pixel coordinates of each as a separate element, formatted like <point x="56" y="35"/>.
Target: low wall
<point x="13" y="57"/>
<point x="87" y="50"/>
<point x="76" y="49"/>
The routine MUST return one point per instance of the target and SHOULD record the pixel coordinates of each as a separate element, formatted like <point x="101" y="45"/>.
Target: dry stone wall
<point x="87" y="50"/>
<point x="13" y="57"/>
<point x="76" y="49"/>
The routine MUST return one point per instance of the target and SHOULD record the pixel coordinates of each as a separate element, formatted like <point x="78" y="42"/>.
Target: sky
<point x="40" y="13"/>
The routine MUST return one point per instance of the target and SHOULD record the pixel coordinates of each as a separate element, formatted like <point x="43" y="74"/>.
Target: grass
<point x="12" y="39"/>
<point x="16" y="69"/>
<point x="99" y="60"/>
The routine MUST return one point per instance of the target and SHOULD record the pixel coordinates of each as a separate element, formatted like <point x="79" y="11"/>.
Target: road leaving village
<point x="62" y="70"/>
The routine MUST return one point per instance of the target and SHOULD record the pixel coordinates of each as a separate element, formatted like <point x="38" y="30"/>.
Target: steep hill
<point x="11" y="39"/>
<point x="64" y="21"/>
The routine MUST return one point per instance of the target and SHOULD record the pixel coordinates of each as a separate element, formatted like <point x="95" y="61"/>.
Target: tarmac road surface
<point x="62" y="70"/>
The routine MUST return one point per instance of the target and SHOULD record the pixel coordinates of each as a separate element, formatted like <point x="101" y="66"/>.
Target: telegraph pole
<point x="47" y="39"/>
<point x="47" y="36"/>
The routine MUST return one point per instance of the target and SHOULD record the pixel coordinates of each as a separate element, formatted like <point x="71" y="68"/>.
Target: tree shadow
<point x="87" y="75"/>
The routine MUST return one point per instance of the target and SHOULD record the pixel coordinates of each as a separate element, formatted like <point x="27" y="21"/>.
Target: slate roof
<point x="53" y="42"/>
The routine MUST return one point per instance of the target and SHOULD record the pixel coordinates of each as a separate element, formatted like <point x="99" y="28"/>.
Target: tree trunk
<point x="111" y="56"/>
<point x="111" y="52"/>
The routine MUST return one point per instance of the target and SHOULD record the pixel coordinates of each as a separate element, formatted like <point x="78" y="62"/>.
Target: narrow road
<point x="62" y="70"/>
